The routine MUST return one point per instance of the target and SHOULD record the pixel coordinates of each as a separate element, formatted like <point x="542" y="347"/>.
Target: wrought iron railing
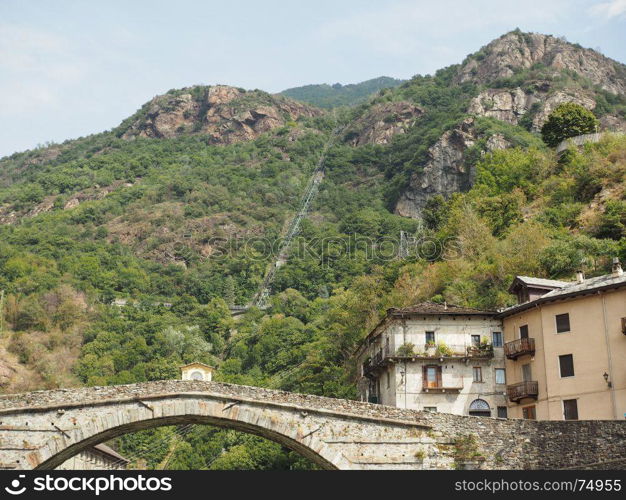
<point x="523" y="390"/>
<point x="520" y="347"/>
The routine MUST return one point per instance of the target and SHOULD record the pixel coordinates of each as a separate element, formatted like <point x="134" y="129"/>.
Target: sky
<point x="70" y="68"/>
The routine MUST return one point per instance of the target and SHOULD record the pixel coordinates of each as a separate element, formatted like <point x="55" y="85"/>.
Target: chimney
<point x="580" y="276"/>
<point x="445" y="305"/>
<point x="617" y="268"/>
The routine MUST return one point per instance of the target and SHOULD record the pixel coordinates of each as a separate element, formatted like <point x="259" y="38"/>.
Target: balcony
<point x="518" y="348"/>
<point x="524" y="390"/>
<point x="373" y="363"/>
<point x="442" y="390"/>
<point x="409" y="351"/>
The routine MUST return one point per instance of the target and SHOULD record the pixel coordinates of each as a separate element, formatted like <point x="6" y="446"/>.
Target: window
<point x="570" y="409"/>
<point x="562" y="323"/>
<point x="388" y="380"/>
<point x="527" y="373"/>
<point x="503" y="412"/>
<point x="432" y="377"/>
<point x="523" y="332"/>
<point x="430" y="338"/>
<point x="566" y="364"/>
<point x="478" y="374"/>
<point x="476" y="340"/>
<point x="529" y="413"/>
<point x="497" y="339"/>
<point x="500" y="376"/>
<point x="480" y="408"/>
<point x="431" y="409"/>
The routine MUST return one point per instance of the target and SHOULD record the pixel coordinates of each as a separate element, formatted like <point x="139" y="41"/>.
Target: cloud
<point x="610" y="10"/>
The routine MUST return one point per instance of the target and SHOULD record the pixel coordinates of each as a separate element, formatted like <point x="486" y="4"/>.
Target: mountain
<point x="121" y="252"/>
<point x="222" y="113"/>
<point x="332" y="96"/>
<point x="516" y="80"/>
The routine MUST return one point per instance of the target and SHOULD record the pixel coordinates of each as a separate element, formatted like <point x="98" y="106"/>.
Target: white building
<point x="197" y="371"/>
<point x="435" y="357"/>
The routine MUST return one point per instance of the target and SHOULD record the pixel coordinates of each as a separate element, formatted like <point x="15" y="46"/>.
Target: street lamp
<point x="606" y="379"/>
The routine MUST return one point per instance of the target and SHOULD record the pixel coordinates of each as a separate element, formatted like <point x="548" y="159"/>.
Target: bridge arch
<point x="40" y="430"/>
<point x="200" y="409"/>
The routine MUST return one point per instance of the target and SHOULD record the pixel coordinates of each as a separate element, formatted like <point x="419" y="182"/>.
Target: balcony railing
<point x="385" y="356"/>
<point x="442" y="389"/>
<point x="520" y="347"/>
<point x="524" y="390"/>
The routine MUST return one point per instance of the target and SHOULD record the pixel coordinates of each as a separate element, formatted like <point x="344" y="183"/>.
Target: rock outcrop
<point x="516" y="50"/>
<point x="225" y="114"/>
<point x="510" y="105"/>
<point x="446" y="171"/>
<point x="382" y="122"/>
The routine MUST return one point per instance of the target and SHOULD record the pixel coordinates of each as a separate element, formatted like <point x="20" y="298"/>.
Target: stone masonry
<point x="43" y="429"/>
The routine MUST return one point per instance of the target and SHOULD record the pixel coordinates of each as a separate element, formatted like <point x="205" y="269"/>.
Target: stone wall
<point x="336" y="433"/>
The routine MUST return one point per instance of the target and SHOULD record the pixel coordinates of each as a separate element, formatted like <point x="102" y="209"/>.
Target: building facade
<point x="435" y="357"/>
<point x="565" y="345"/>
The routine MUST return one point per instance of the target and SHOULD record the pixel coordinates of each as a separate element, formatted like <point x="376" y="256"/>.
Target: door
<point x="527" y="374"/>
<point x="523" y="332"/>
<point x="432" y="377"/>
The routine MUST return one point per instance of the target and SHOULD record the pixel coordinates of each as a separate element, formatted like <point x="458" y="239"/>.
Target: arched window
<point x="480" y="408"/>
<point x="197" y="376"/>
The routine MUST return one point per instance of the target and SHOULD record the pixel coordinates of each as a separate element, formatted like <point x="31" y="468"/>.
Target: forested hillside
<point x="165" y="214"/>
<point x="332" y="96"/>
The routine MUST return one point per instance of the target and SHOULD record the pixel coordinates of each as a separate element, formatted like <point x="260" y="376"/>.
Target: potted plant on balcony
<point x="485" y="346"/>
<point x="406" y="350"/>
<point x="431" y="347"/>
<point x="443" y="350"/>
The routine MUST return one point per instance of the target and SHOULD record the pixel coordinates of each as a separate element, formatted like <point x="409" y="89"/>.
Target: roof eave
<point x="556" y="298"/>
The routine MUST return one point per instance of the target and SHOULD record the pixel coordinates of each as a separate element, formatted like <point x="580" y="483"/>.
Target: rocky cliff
<point x="446" y="171"/>
<point x="519" y="79"/>
<point x="225" y="114"/>
<point x="382" y="122"/>
<point x="517" y="51"/>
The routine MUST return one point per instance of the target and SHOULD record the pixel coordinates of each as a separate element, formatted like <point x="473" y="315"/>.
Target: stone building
<point x="435" y="357"/>
<point x="197" y="371"/>
<point x="99" y="457"/>
<point x="565" y="345"/>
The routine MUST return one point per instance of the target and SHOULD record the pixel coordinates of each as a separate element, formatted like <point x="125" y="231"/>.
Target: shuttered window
<point x="567" y="365"/>
<point x="530" y="413"/>
<point x="432" y="377"/>
<point x="562" y="323"/>
<point x="570" y="409"/>
<point x="497" y="339"/>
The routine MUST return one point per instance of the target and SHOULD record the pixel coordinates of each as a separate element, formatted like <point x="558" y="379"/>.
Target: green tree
<point x="568" y="120"/>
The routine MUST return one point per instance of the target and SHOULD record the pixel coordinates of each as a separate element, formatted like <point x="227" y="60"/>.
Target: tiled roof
<point x="572" y="289"/>
<point x="588" y="284"/>
<point x="435" y="308"/>
<point x="103" y="448"/>
<point x="542" y="282"/>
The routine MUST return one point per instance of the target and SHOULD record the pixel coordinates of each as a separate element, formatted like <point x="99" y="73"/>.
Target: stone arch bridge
<point x="41" y="430"/>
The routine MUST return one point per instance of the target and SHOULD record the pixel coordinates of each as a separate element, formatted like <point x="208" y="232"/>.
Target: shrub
<point x="406" y="350"/>
<point x="568" y="120"/>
